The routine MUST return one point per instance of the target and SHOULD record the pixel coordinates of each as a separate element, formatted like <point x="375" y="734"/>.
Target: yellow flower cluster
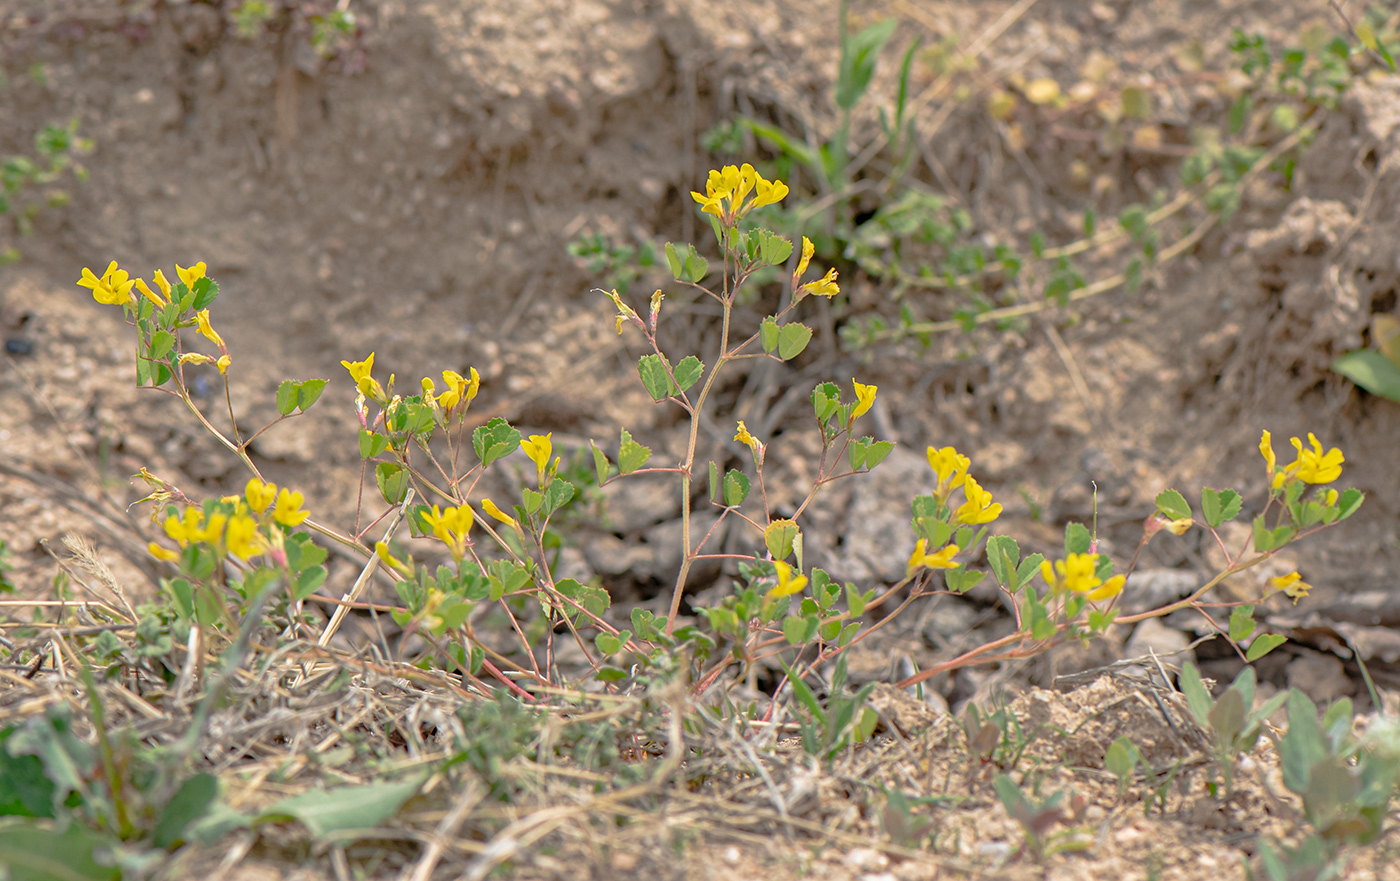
<point x="1309" y="465"/>
<point x="950" y="467"/>
<point x="114" y="288"/>
<point x="459" y="388"/>
<point x="727" y="190"/>
<point x="238" y="525"/>
<point x="1076" y="573"/>
<point x="451" y="527"/>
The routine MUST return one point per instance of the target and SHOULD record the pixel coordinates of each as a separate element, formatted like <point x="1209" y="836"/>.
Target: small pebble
<point x="18" y="346"/>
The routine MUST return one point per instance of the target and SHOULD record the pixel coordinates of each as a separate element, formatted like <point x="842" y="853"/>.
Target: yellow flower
<point x="202" y="318"/>
<point x="242" y="537"/>
<point x="1315" y="466"/>
<point x="750" y="441"/>
<point x="539" y="448"/>
<point x="451" y="527"/>
<point x="808" y="249"/>
<point x="979" y="507"/>
<point x="1077" y="573"/>
<point x="160" y="552"/>
<point x="1266" y="449"/>
<point x="727" y="188"/>
<point x="825" y="286"/>
<point x="625" y="312"/>
<point x="428" y="389"/>
<point x="381" y="550"/>
<point x="196" y="358"/>
<point x="1329" y="497"/>
<point x="360" y="373"/>
<point x="459" y="388"/>
<point x="163" y="283"/>
<point x="191" y="275"/>
<point x="150" y="294"/>
<point x="223" y="363"/>
<point x="260" y="495"/>
<point x="191" y="527"/>
<point x="788" y="584"/>
<point x="490" y="508"/>
<point x="922" y="559"/>
<point x="950" y="466"/>
<point x="1178" y="527"/>
<point x="865" y="399"/>
<point x="112" y="289"/>
<point x="768" y="192"/>
<point x="1291" y="584"/>
<point x="288" y="511"/>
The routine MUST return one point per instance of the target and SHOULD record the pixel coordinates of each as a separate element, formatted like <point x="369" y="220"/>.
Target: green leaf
<point x="1029" y="566"/>
<point x="857" y="452"/>
<point x="1120" y="758"/>
<point x="1372" y="371"/>
<point x="1266" y="539"/>
<point x="309" y="581"/>
<point x="1348" y="502"/>
<point x="963" y="580"/>
<point x="611" y="644"/>
<point x="688" y="265"/>
<point x="35" y="853"/>
<point x="736" y="488"/>
<point x="655" y="379"/>
<point x="773" y="249"/>
<point x="556" y="496"/>
<point x="1003" y="554"/>
<point x="162" y="342"/>
<point x="1077" y="539"/>
<point x="792" y="339"/>
<point x="392" y="480"/>
<point x="1198" y="700"/>
<point x="600" y="463"/>
<point x="714" y="482"/>
<point x="309" y="393"/>
<point x="325" y="812"/>
<point x="631" y="455"/>
<point x="1242" y="623"/>
<point x="495" y="440"/>
<point x="204" y="290"/>
<point x="1218" y="506"/>
<point x="689" y="371"/>
<point x="800" y="630"/>
<point x="858" y="57"/>
<point x="1263" y="644"/>
<point x="25" y="791"/>
<point x="826" y="399"/>
<point x="778" y="538"/>
<point x="286" y="397"/>
<point x="594" y="599"/>
<point x="768" y="334"/>
<point x="1302" y="746"/>
<point x="1173" y="504"/>
<point x="188" y="804"/>
<point x="371" y="444"/>
<point x="878" y="452"/>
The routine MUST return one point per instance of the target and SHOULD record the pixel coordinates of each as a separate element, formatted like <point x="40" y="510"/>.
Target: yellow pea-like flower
<point x="260" y="495"/>
<point x="922" y="559"/>
<point x="865" y="399"/>
<point x="788" y="584"/>
<point x="288" y="510"/>
<point x="191" y="275"/>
